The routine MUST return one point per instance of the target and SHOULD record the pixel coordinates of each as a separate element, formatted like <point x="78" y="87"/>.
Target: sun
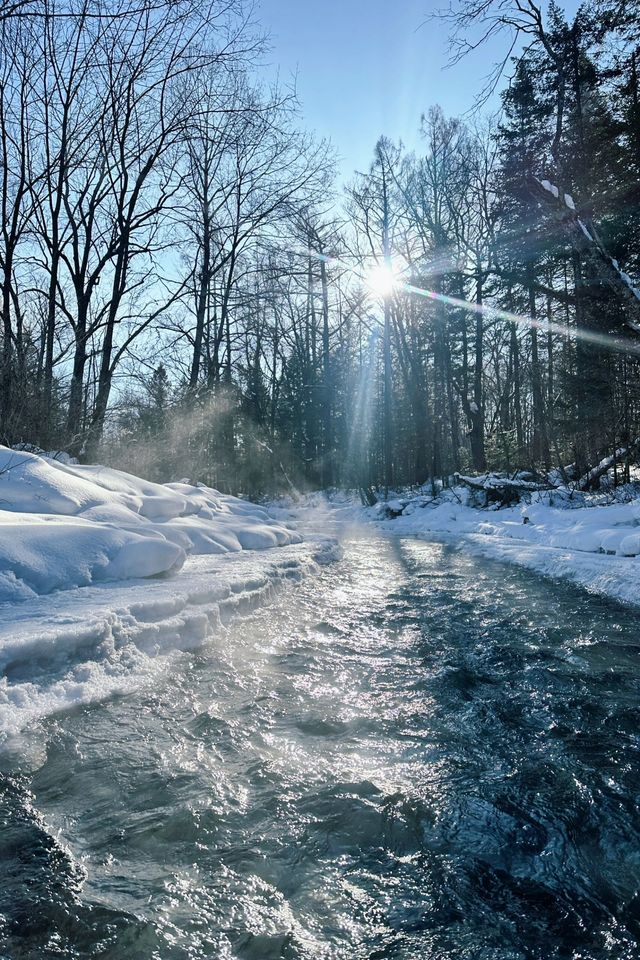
<point x="381" y="280"/>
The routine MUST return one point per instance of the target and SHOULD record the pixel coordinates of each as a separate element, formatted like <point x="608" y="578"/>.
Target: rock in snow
<point x="64" y="525"/>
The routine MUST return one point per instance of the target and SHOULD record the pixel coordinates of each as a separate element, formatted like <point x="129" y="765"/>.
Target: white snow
<point x="554" y="190"/>
<point x="597" y="547"/>
<point x="626" y="279"/>
<point x="79" y="621"/>
<point x="64" y="525"/>
<point x="629" y="282"/>
<point x="578" y="539"/>
<point x="549" y="187"/>
<point x="75" y="647"/>
<point x="585" y="230"/>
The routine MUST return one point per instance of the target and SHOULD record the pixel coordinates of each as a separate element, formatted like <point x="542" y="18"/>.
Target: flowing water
<point x="416" y="754"/>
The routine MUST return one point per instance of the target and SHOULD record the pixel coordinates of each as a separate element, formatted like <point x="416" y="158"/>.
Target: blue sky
<point x="367" y="67"/>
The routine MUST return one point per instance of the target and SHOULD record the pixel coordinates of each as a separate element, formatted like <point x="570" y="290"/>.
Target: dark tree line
<point x="183" y="291"/>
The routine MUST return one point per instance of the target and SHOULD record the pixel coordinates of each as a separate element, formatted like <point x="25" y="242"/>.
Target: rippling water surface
<point x="415" y="755"/>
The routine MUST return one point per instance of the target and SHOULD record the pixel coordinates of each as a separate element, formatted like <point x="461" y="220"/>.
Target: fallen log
<point x="590" y="479"/>
<point x="502" y="490"/>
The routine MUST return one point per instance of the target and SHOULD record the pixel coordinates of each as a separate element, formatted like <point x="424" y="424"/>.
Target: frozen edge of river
<point x="80" y="646"/>
<point x="617" y="578"/>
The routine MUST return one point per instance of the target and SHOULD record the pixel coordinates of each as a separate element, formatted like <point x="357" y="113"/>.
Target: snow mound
<point x="65" y="525"/>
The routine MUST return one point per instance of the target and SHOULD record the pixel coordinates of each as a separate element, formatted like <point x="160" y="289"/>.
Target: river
<point x="415" y="754"/>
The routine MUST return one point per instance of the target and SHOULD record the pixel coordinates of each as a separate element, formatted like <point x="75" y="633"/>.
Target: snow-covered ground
<point x="78" y="619"/>
<point x="63" y="525"/>
<point x="593" y="544"/>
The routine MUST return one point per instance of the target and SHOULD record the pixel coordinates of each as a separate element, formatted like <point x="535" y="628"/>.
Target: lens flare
<point x="382" y="280"/>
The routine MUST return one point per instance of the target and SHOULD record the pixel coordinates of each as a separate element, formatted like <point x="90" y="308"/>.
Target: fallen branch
<point x="591" y="477"/>
<point x="502" y="490"/>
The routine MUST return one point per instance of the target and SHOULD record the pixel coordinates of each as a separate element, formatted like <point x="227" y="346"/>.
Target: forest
<point x="188" y="288"/>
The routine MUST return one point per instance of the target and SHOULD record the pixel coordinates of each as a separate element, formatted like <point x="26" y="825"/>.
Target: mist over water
<point x="416" y="754"/>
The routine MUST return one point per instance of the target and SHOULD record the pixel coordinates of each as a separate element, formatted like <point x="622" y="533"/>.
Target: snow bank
<point x="76" y="647"/>
<point x="597" y="546"/>
<point x="68" y="533"/>
<point x="64" y="525"/>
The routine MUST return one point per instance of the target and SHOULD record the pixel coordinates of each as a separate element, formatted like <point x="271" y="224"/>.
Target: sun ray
<point x="380" y="285"/>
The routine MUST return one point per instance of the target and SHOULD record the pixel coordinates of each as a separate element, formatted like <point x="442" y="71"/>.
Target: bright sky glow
<point x="381" y="280"/>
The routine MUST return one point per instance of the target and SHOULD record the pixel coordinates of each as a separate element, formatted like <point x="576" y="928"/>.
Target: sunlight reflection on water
<point x="417" y="755"/>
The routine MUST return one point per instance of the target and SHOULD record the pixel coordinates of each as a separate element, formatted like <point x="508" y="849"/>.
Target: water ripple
<point x="416" y="756"/>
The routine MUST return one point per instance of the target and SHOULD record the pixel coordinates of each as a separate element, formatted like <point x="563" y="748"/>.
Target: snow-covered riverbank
<point x="582" y="539"/>
<point x="593" y="545"/>
<point x="63" y="525"/>
<point x="78" y="646"/>
<point x="105" y="577"/>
